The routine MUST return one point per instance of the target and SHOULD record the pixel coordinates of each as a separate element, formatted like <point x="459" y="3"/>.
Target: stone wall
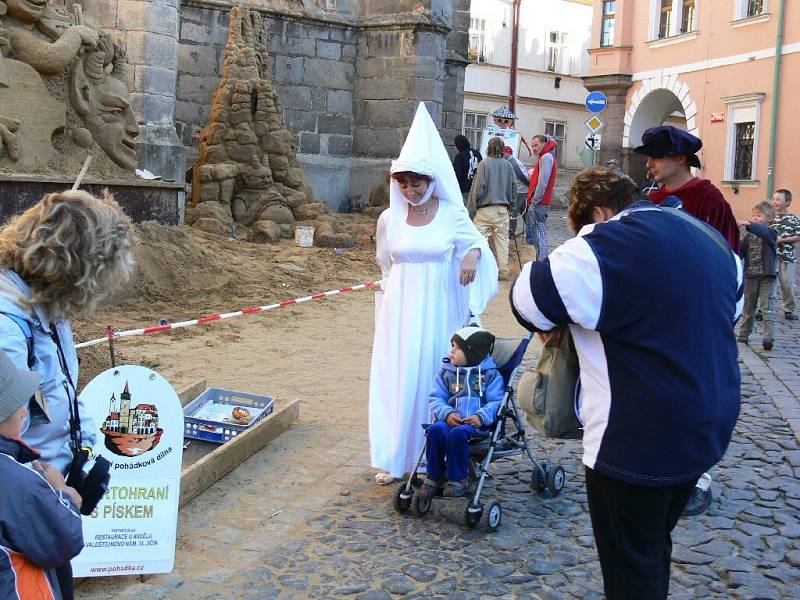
<point x="312" y="66"/>
<point x="349" y="78"/>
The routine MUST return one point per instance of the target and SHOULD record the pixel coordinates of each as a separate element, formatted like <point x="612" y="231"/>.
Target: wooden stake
<point x="85" y="168"/>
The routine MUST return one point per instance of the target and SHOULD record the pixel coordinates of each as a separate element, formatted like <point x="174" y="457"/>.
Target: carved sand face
<point x="112" y="121"/>
<point x="28" y="11"/>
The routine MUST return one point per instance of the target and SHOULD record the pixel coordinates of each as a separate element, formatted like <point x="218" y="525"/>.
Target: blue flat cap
<point x="666" y="140"/>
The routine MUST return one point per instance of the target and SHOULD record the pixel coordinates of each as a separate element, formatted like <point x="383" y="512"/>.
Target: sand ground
<point x="317" y="352"/>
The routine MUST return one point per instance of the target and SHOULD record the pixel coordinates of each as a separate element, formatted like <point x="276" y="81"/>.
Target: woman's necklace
<point x="420" y="211"/>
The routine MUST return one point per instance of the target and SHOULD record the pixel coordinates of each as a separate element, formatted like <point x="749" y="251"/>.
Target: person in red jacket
<point x="671" y="153"/>
<point x="540" y="192"/>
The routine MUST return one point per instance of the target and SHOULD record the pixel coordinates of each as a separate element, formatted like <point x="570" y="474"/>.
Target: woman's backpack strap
<point x="25" y="326"/>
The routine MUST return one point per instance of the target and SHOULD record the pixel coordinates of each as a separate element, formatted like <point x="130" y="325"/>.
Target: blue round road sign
<point x="596" y="102"/>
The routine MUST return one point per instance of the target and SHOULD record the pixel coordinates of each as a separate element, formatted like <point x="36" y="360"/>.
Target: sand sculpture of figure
<point x="248" y="171"/>
<point x="100" y="97"/>
<point x="63" y="91"/>
<point x="250" y="199"/>
<point x="42" y="35"/>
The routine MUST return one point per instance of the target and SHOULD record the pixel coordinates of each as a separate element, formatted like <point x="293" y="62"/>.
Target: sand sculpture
<point x="247" y="178"/>
<point x="63" y="93"/>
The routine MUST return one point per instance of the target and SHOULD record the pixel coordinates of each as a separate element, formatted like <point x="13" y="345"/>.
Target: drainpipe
<point x="776" y="86"/>
<point x="512" y="94"/>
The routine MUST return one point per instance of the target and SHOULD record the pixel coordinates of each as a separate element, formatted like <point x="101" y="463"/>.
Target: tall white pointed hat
<point x="424" y="153"/>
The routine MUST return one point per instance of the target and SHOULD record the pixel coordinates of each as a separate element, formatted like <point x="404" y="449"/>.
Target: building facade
<point x="711" y="68"/>
<point x="553" y="38"/>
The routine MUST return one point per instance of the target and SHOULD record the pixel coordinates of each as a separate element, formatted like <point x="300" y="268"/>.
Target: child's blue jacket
<point x="468" y="391"/>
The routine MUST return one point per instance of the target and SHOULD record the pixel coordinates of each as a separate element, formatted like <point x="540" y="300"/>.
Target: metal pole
<point x="776" y="87"/>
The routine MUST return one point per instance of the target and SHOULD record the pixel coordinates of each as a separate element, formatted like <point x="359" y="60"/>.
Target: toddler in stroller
<point x="465" y="398"/>
<point x="496" y="431"/>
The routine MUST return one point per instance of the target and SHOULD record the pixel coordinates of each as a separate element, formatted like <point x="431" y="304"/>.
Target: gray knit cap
<point x="16" y="387"/>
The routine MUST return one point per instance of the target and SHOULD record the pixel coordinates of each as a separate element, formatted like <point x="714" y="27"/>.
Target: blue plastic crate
<point x="219" y="431"/>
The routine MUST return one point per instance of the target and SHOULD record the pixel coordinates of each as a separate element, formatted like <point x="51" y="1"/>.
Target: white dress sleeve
<point x="382" y="255"/>
<point x="485" y="286"/>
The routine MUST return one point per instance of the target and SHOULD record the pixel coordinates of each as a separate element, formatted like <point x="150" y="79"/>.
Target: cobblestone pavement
<point x="747" y="545"/>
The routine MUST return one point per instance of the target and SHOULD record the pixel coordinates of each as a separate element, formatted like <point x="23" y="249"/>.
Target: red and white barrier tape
<point x="219" y="317"/>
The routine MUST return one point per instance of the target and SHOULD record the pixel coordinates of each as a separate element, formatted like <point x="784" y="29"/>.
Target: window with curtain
<point x="607" y="24"/>
<point x="688" y="16"/>
<point x="665" y="19"/>
<point x="477" y="40"/>
<point x="754" y="8"/>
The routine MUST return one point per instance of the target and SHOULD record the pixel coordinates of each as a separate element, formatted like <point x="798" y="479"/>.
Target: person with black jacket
<point x="465" y="164"/>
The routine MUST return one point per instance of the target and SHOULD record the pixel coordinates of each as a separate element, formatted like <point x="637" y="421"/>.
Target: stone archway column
<point x="615" y="88"/>
<point x="150" y="30"/>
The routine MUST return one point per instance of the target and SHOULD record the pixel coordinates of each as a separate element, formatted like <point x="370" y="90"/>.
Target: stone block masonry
<point x="348" y="79"/>
<point x="313" y="69"/>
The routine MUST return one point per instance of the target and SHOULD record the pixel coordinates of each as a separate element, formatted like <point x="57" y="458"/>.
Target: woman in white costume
<point x="436" y="269"/>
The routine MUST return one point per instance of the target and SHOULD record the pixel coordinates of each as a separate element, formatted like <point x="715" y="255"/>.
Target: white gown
<point x="421" y="306"/>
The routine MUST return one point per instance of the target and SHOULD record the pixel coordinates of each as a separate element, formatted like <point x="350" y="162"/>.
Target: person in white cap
<point x="437" y="269"/>
<point x="40" y="523"/>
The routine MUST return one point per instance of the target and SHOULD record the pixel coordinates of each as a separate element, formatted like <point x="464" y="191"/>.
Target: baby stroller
<point x="496" y="444"/>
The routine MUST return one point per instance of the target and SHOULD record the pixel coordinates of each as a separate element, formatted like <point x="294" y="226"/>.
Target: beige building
<point x="711" y="68"/>
<point x="553" y="36"/>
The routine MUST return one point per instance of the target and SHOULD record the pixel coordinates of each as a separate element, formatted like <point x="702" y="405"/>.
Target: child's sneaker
<point x="759" y="315"/>
<point x="742" y="339"/>
<point x="790" y="316"/>
<point x="456" y="489"/>
<point x="767" y="344"/>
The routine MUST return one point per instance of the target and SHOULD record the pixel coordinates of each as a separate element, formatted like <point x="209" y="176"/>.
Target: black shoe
<point x="759" y="316"/>
<point x="698" y="502"/>
<point x="790" y="316"/>
<point x="767" y="344"/>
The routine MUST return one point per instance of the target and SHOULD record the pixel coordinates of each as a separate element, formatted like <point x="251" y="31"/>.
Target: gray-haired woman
<point x="57" y="260"/>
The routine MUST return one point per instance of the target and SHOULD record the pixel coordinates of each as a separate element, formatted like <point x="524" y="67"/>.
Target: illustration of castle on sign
<point x="130" y="431"/>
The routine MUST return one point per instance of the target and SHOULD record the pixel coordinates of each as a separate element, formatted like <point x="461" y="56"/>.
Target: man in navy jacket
<point x="650" y="298"/>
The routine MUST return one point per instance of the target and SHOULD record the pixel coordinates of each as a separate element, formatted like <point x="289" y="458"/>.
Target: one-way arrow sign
<point x="596" y="102"/>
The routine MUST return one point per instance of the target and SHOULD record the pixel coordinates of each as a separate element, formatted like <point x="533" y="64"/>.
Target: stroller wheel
<point x="472" y="515"/>
<point x="492" y="517"/>
<point x="422" y="504"/>
<point x="539" y="479"/>
<point x="402" y="498"/>
<point x="555" y="480"/>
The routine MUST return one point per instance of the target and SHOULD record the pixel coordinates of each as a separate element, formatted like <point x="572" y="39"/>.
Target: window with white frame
<point x="745" y="9"/>
<point x="477" y="39"/>
<point x="558" y="52"/>
<point x="669" y="18"/>
<point x="609" y="19"/>
<point x="741" y="156"/>
<point x="474" y="124"/>
<point x="558" y="131"/>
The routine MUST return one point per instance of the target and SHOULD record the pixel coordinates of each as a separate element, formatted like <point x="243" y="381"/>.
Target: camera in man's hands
<point x="91" y="485"/>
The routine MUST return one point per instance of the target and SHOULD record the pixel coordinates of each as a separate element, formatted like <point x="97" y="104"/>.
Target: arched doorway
<point x="656" y="102"/>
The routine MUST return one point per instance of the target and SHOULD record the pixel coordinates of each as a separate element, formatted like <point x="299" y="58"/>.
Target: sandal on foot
<point x="456" y="489"/>
<point x="384" y="478"/>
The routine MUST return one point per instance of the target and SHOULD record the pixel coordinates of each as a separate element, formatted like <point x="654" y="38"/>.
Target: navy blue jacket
<point x="40" y="529"/>
<point x="651" y="301"/>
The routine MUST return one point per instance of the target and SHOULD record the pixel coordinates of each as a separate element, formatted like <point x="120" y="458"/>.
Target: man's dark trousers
<point x="632" y="530"/>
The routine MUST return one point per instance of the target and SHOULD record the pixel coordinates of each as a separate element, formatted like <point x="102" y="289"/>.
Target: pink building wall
<point x="722" y="59"/>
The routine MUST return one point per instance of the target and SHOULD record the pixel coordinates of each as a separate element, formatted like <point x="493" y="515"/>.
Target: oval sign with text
<point x="138" y="421"/>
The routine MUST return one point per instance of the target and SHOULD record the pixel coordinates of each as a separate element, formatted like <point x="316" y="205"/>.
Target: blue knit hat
<point x="666" y="140"/>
